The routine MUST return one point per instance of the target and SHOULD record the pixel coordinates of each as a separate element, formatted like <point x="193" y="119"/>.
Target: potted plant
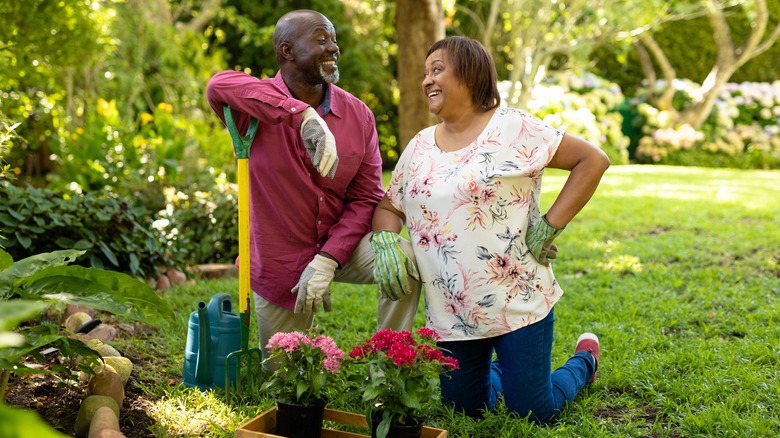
<point x="307" y="370"/>
<point x="402" y="374"/>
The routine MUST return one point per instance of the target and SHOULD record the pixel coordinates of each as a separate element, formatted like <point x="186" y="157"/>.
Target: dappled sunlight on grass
<point x="623" y="264"/>
<point x="192" y="412"/>
<point x="681" y="184"/>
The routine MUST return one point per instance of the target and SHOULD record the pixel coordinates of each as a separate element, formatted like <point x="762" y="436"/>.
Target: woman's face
<point x="446" y="94"/>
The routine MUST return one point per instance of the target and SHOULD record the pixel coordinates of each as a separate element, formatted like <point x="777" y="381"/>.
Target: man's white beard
<point x="330" y="78"/>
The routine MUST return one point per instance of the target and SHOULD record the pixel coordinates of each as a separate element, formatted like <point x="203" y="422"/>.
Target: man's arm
<point x="263" y="100"/>
<point x="250" y="96"/>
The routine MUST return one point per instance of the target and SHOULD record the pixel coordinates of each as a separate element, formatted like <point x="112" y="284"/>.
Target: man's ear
<point x="286" y="49"/>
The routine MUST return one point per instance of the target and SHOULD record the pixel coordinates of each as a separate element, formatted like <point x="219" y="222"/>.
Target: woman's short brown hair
<point x="474" y="67"/>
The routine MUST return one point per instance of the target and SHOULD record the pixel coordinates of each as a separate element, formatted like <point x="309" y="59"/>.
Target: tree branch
<point x="664" y="102"/>
<point x="208" y="11"/>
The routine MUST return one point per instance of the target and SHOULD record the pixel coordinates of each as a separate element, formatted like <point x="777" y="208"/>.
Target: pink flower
<point x="288" y="342"/>
<point x="303" y="362"/>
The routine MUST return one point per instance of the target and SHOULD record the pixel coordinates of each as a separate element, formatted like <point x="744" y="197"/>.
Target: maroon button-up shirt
<point x="296" y="213"/>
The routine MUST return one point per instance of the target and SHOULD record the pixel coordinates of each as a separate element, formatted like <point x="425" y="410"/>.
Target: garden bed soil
<point x="58" y="404"/>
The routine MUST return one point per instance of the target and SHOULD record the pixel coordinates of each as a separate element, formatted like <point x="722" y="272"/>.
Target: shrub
<point x="742" y="131"/>
<point x="201" y="226"/>
<point x="112" y="231"/>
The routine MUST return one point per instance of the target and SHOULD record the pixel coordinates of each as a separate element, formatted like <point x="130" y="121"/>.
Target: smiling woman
<point x="468" y="191"/>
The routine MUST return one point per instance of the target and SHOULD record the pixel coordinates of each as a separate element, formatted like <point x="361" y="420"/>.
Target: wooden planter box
<point x="264" y="426"/>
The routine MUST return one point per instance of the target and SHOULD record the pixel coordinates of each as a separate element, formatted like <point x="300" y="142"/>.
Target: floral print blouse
<point x="467" y="213"/>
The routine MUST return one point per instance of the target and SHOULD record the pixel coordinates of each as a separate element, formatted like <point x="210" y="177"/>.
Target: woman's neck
<point x="456" y="133"/>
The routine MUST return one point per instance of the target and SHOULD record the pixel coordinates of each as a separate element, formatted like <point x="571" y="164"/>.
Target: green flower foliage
<point x="114" y="233"/>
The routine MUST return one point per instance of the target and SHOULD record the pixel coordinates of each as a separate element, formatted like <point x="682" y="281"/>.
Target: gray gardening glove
<point x="539" y="240"/>
<point x="313" y="288"/>
<point x="319" y="142"/>
<point x="392" y="266"/>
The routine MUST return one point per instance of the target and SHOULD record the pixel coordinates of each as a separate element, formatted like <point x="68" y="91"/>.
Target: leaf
<point x="383" y="428"/>
<point x="300" y="388"/>
<point x="23" y="240"/>
<point x="29" y="266"/>
<point x="20" y="422"/>
<point x="12" y="354"/>
<point x="108" y="253"/>
<point x="110" y="291"/>
<point x="318" y="382"/>
<point x="409" y="401"/>
<point x="134" y="264"/>
<point x="18" y="216"/>
<point x="14" y="312"/>
<point x="483" y="253"/>
<point x="371" y="393"/>
<point x="64" y="242"/>
<point x="7" y="220"/>
<point x="83" y="244"/>
<point x="6" y="261"/>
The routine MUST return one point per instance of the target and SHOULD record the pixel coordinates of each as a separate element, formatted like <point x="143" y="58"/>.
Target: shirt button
<point x="319" y="222"/>
<point x="318" y="245"/>
<point x="293" y="109"/>
<point x="320" y="198"/>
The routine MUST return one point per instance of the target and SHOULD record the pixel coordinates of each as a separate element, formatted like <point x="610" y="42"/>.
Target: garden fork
<point x="248" y="360"/>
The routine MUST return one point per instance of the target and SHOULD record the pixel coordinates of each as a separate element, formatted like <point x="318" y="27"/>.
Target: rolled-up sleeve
<point x="249" y="96"/>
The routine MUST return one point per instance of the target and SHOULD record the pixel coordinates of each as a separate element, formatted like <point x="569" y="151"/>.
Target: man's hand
<point x="539" y="240"/>
<point x="313" y="288"/>
<point x="319" y="142"/>
<point x="392" y="266"/>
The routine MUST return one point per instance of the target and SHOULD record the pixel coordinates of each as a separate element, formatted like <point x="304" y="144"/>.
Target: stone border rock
<point x="98" y="415"/>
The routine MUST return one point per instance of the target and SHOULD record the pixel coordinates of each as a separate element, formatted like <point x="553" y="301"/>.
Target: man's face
<point x="316" y="51"/>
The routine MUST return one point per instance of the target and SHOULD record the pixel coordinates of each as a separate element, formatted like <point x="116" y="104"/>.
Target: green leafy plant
<point x="307" y="366"/>
<point x="401" y="374"/>
<point x="201" y="226"/>
<point x="113" y="231"/>
<point x="31" y="285"/>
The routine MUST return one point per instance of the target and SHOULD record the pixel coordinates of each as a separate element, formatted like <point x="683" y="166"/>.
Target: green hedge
<point x="115" y="234"/>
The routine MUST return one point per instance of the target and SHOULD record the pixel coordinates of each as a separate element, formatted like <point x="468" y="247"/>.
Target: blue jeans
<point x="521" y="372"/>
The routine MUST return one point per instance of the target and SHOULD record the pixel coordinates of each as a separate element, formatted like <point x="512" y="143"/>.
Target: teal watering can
<point x="214" y="332"/>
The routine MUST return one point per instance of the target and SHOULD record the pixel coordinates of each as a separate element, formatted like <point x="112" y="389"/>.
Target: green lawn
<point x="676" y="269"/>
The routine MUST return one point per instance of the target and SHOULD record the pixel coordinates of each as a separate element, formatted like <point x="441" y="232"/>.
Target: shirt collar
<point x="329" y="103"/>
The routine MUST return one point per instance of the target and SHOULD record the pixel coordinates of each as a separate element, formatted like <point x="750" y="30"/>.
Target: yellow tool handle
<point x="243" y="234"/>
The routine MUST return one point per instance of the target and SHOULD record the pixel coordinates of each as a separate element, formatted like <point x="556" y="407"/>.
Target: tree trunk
<point x="419" y="24"/>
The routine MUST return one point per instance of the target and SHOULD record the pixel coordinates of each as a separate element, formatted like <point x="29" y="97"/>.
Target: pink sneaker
<point x="590" y="343"/>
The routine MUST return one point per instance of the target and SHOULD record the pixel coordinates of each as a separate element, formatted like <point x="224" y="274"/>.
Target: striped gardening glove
<point x="539" y="240"/>
<point x="392" y="266"/>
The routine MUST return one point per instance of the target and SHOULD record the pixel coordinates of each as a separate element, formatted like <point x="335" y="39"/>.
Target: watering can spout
<point x="203" y="372"/>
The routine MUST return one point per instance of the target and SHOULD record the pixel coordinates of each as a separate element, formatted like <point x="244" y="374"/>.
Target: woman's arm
<point x="387" y="218"/>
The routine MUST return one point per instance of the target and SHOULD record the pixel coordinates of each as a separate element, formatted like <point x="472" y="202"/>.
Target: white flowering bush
<point x="742" y="131"/>
<point x="582" y="105"/>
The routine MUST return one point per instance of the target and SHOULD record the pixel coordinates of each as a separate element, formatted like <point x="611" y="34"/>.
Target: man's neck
<point x="310" y="94"/>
